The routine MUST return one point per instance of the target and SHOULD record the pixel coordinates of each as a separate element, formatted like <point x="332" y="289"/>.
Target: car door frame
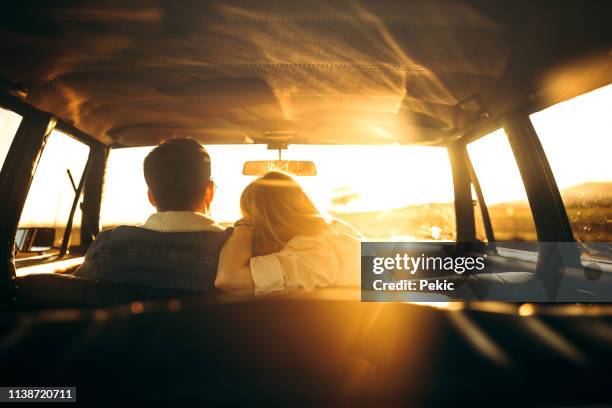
<point x="549" y="214"/>
<point x="18" y="171"/>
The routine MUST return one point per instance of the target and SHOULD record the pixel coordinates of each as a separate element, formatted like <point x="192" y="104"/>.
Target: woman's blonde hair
<point x="278" y="209"/>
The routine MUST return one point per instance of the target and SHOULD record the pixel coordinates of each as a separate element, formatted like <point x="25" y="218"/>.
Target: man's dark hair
<point x="177" y="172"/>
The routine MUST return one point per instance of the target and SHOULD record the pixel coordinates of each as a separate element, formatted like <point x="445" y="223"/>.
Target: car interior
<point x="482" y="123"/>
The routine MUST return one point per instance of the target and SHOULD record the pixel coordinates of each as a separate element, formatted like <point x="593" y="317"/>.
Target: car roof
<point x="321" y="72"/>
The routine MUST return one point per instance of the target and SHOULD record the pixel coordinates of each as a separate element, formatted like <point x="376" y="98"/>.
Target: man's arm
<point x="234" y="271"/>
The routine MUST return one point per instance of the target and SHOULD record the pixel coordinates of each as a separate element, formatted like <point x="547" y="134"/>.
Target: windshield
<point x="386" y="192"/>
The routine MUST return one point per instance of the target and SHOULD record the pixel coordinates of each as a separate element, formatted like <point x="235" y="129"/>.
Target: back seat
<point x="59" y="290"/>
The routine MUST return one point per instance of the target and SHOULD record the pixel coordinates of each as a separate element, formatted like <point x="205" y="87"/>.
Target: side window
<point x="502" y="188"/>
<point x="52" y="192"/>
<point x="577" y="138"/>
<point x="9" y="122"/>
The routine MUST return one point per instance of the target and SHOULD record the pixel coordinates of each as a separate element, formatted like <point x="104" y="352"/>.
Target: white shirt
<point x="180" y="221"/>
<point x="308" y="262"/>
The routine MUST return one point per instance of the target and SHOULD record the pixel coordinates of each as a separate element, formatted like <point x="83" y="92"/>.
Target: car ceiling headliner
<point x="386" y="71"/>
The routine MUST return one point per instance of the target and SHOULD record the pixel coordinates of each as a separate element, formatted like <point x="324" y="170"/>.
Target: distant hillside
<point x="588" y="194"/>
<point x="589" y="209"/>
<point x="412" y="222"/>
<point x="585" y="195"/>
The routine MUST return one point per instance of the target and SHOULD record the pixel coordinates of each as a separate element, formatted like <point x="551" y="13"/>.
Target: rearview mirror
<point x="34" y="239"/>
<point x="296" y="167"/>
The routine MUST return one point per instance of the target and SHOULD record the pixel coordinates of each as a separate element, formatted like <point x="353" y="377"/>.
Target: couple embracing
<point x="281" y="243"/>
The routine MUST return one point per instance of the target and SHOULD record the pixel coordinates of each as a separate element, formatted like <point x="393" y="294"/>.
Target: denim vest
<point x="173" y="260"/>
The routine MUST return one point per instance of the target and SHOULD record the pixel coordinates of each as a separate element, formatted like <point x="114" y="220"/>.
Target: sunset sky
<point x="380" y="176"/>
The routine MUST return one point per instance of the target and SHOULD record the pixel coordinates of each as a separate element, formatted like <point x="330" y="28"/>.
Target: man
<point x="177" y="247"/>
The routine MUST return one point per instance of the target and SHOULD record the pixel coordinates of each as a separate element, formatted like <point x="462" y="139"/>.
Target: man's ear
<point x="209" y="192"/>
<point x="151" y="198"/>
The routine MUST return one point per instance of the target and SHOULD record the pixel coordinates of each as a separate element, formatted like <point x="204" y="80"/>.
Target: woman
<point x="283" y="242"/>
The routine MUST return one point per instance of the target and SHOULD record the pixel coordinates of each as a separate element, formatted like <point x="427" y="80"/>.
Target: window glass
<point x="577" y="138"/>
<point x="51" y="193"/>
<point x="502" y="188"/>
<point x="481" y="232"/>
<point x="386" y="192"/>
<point x="9" y="122"/>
